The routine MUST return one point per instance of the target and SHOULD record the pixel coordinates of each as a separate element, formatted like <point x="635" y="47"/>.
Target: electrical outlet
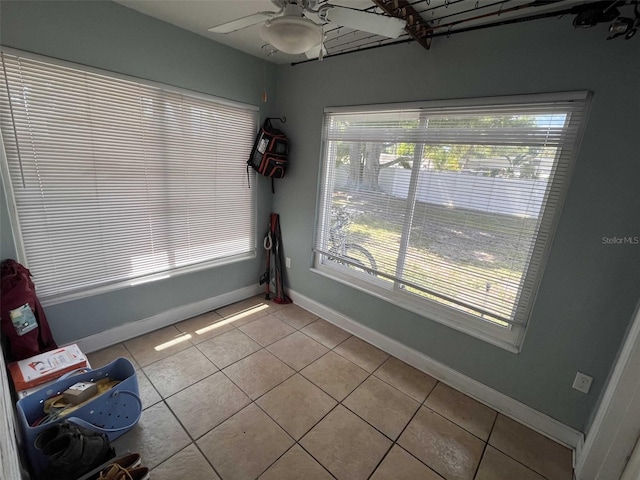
<point x="582" y="382"/>
<point x="288" y="262"/>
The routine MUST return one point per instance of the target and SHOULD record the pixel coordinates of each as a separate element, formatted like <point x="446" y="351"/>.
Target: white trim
<point x="509" y="407"/>
<point x="506" y="338"/>
<point x="611" y="436"/>
<point x="130" y="330"/>
<point x="572" y="95"/>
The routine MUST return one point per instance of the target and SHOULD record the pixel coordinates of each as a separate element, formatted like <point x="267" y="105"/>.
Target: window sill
<point x="133" y="282"/>
<point x="507" y="339"/>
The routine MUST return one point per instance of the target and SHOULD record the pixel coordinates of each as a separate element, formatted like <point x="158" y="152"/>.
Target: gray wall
<point x="109" y="36"/>
<point x="589" y="290"/>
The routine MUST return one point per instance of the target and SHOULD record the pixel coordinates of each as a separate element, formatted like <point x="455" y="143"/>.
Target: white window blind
<point x="114" y="179"/>
<point x="450" y="204"/>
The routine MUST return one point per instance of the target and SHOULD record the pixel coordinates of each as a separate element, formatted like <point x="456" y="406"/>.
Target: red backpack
<point x="22" y="318"/>
<point x="270" y="152"/>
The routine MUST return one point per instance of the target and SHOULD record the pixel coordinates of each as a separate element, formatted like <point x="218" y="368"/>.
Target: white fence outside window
<point x="508" y="196"/>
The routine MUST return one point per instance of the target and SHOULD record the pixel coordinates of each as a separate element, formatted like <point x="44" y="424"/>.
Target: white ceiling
<point x="200" y="15"/>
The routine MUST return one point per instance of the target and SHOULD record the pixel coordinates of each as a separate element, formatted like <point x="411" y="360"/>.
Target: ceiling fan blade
<point x="242" y="22"/>
<point x="356" y="4"/>
<point x="314" y="17"/>
<point x="383" y="25"/>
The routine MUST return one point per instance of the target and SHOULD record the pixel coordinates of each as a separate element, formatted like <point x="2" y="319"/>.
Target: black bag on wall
<point x="270" y="151"/>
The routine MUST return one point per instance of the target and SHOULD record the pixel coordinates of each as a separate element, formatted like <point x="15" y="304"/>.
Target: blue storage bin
<point x="113" y="413"/>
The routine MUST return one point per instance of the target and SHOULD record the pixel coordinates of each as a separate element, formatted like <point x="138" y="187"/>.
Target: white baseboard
<point x="127" y="331"/>
<point x="500" y="402"/>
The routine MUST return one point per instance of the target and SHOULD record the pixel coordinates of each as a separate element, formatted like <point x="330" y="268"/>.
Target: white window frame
<point x="509" y="338"/>
<point x="147" y="278"/>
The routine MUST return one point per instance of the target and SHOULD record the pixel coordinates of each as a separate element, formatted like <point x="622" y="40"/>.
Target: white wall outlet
<point x="582" y="382"/>
<point x="287" y="262"/>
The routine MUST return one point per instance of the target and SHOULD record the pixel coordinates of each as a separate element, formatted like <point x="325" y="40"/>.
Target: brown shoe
<point x="132" y="460"/>
<point x="138" y="473"/>
<point x="127" y="462"/>
<point x="118" y="472"/>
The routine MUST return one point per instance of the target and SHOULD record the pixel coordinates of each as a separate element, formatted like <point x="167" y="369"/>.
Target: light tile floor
<point x="260" y="390"/>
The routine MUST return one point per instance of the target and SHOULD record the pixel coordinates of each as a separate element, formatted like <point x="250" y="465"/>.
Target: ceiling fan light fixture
<point x="292" y="35"/>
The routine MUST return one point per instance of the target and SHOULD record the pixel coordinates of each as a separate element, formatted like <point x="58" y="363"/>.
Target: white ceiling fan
<point x="297" y="26"/>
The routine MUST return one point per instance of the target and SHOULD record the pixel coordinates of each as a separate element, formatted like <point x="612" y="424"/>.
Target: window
<point x="447" y="208"/>
<point x="114" y="180"/>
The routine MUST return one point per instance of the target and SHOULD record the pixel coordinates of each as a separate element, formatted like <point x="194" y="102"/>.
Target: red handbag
<point x="22" y="318"/>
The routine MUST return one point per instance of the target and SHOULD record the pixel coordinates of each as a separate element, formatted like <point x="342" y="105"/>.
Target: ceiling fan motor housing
<point x="292" y="33"/>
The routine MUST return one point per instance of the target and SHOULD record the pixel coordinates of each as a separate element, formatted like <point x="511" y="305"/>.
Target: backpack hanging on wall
<point x="270" y="151"/>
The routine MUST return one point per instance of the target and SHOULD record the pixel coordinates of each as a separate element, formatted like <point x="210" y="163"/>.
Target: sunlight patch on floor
<point x="171" y="343"/>
<point x="233" y="318"/>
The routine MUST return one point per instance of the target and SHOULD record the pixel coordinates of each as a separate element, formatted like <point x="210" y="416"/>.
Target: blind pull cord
<point x="13" y="120"/>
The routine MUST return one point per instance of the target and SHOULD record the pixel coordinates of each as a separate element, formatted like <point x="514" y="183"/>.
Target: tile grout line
<point x="183" y="388"/>
<point x="182" y="426"/>
<point x="381" y="460"/>
<point x="484" y="447"/>
<point x="310" y="454"/>
<point x="232" y="363"/>
<point x="207" y="459"/>
<point x="123" y="343"/>
<point x="519" y="462"/>
<point x="395" y="442"/>
<point x="456" y="424"/>
<point x="193" y="442"/>
<point x="509" y="456"/>
<point x="267" y="391"/>
<point x="487" y="444"/>
<point x="295" y="442"/>
<point x="409" y="422"/>
<point x="152" y="386"/>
